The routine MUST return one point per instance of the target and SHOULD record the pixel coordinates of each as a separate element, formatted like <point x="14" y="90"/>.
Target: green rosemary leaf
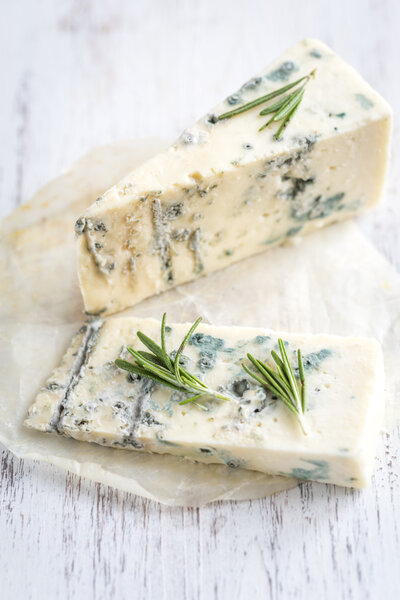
<point x="191" y="379"/>
<point x="189" y="335"/>
<point x="274" y="107"/>
<point x="182" y="347"/>
<point x="159" y="366"/>
<point x="276" y="385"/>
<point x="289" y="372"/>
<point x="221" y="397"/>
<point x="144" y="361"/>
<point x="287" y="120"/>
<point x="163" y="344"/>
<point x="282" y="110"/>
<point x="191" y="399"/>
<point x="252" y="374"/>
<point x="282" y="383"/>
<point x="127" y="366"/>
<point x="272" y="119"/>
<point x="302" y="380"/>
<point x="152" y="346"/>
<point x="151" y="358"/>
<point x="261" y="100"/>
<point x="277" y="359"/>
<point x="285" y="111"/>
<point x="153" y="368"/>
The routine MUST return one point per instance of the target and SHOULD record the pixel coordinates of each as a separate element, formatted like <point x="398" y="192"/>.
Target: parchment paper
<point x="333" y="281"/>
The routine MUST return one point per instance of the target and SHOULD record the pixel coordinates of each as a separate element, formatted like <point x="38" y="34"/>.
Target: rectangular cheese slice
<point x="90" y="399"/>
<point x="224" y="191"/>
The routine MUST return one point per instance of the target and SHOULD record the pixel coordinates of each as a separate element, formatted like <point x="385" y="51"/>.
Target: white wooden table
<point x="75" y="74"/>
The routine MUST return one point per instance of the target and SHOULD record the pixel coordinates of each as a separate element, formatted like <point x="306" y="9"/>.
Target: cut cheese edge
<point x="88" y="398"/>
<point x="225" y="191"/>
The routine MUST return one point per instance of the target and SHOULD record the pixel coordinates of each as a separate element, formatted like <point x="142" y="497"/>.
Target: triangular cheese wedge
<point x="225" y="190"/>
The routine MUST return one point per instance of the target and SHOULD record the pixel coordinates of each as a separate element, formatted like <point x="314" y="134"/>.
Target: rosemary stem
<point x="165" y="369"/>
<point x="302" y="424"/>
<point x="282" y="110"/>
<point x="282" y="383"/>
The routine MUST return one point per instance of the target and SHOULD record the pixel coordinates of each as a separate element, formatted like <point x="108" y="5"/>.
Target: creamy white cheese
<point x="225" y="191"/>
<point x="90" y="399"/>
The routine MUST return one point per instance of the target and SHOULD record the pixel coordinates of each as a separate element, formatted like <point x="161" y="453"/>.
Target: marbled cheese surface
<point x="225" y="191"/>
<point x="90" y="399"/>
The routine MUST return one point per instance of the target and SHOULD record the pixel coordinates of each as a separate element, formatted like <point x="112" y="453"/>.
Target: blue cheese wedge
<point x="225" y="191"/>
<point x="88" y="398"/>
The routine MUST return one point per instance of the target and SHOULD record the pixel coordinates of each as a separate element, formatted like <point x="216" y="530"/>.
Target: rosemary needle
<point x="282" y="382"/>
<point x="282" y="110"/>
<point x="166" y="369"/>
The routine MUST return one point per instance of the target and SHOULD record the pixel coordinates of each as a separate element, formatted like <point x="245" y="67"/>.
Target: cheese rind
<point x="225" y="191"/>
<point x="99" y="403"/>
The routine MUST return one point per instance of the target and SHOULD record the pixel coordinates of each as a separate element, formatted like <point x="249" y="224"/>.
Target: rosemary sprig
<point x="283" y="110"/>
<point x="282" y="383"/>
<point x="165" y="369"/>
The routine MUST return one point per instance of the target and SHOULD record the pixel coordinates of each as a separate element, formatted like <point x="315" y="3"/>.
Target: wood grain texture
<point x="75" y="74"/>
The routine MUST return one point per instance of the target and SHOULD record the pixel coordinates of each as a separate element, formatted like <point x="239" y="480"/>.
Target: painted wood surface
<point x="75" y="74"/>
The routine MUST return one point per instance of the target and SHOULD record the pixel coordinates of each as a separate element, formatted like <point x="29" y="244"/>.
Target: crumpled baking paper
<point x="333" y="281"/>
